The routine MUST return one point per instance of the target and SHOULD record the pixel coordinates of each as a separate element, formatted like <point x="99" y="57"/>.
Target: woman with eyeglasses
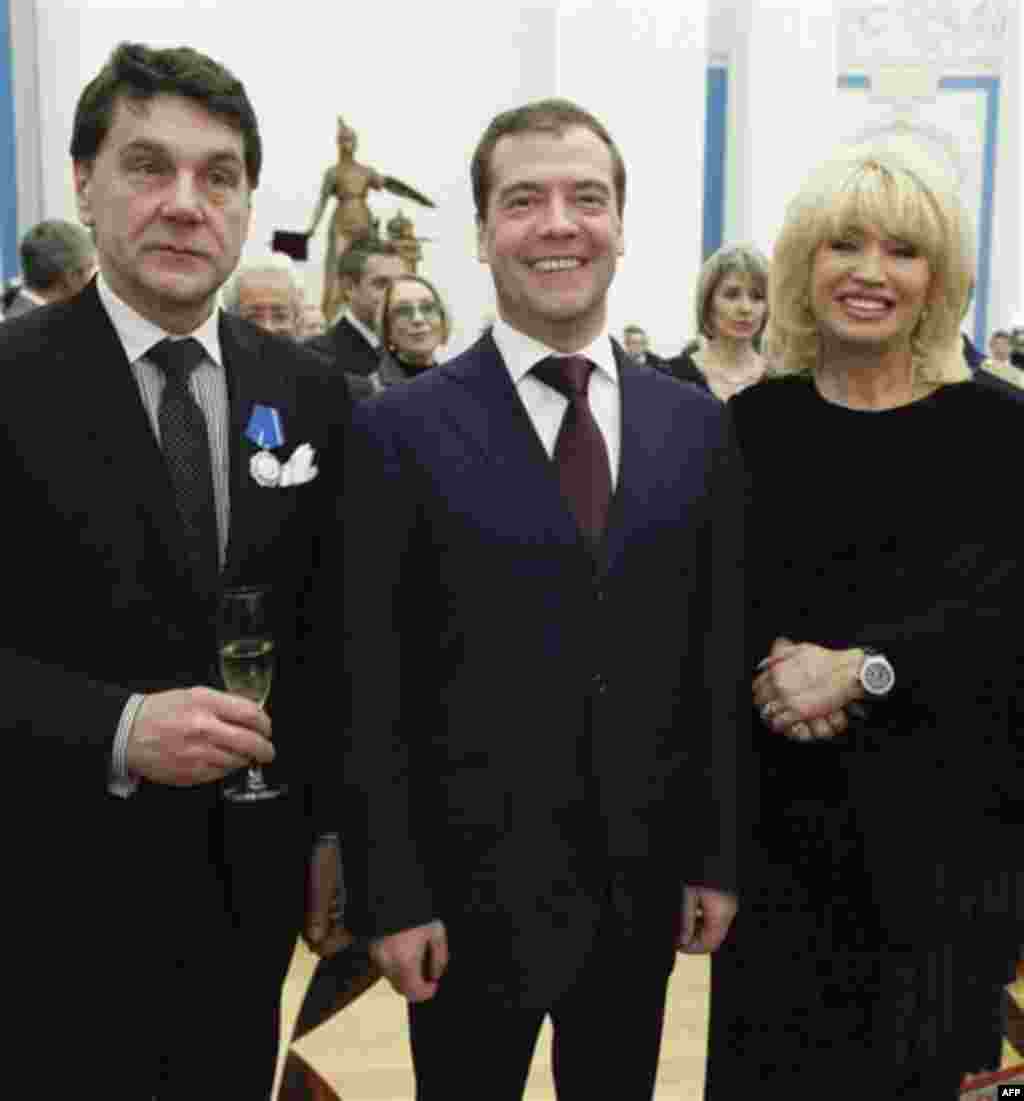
<point x="414" y="324"/>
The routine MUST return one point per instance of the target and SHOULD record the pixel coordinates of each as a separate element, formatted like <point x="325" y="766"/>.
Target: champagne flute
<point x="246" y="649"/>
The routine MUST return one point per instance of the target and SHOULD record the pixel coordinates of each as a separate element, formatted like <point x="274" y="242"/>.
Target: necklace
<point x="725" y="381"/>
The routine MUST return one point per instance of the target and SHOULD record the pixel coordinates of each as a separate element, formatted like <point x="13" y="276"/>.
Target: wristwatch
<point x="877" y="676"/>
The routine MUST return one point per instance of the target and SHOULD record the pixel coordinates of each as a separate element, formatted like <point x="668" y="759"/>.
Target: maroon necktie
<point x="580" y="452"/>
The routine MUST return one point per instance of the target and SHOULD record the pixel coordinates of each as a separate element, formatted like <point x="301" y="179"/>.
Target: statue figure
<point x="402" y="234"/>
<point x="349" y="182"/>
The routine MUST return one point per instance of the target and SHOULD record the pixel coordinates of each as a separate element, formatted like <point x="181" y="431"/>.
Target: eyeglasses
<point x="429" y="311"/>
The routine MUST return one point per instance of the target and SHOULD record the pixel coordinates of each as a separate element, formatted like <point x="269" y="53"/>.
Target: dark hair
<point x="352" y="262"/>
<point x="53" y="249"/>
<point x="384" y="328"/>
<point x="545" y="116"/>
<point x="998" y="333"/>
<point x="138" y="73"/>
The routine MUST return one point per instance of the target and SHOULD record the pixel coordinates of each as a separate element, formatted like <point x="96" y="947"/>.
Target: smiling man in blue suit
<point x="546" y="653"/>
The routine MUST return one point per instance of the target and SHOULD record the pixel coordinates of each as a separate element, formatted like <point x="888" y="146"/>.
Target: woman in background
<point x="414" y="324"/>
<point x="732" y="308"/>
<point x="879" y="912"/>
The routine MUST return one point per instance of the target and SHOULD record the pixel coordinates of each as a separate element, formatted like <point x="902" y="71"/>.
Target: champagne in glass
<point x="246" y="650"/>
<point x="247" y="666"/>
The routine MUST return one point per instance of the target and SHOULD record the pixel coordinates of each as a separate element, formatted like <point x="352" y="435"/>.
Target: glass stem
<point x="254" y="779"/>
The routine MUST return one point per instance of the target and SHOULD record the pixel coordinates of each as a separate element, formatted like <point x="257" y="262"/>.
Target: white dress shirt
<point x="546" y="406"/>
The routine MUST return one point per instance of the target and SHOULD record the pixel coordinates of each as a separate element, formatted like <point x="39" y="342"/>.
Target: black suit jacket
<point x="347" y="348"/>
<point x="657" y="361"/>
<point x="20" y="304"/>
<point x="536" y="732"/>
<point x="99" y="605"/>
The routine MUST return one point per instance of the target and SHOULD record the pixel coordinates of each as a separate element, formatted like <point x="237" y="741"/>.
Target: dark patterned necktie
<point x="580" y="452"/>
<point x="185" y="443"/>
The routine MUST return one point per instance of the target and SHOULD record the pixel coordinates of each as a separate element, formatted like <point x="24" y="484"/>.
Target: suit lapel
<point x="486" y="408"/>
<point x="103" y="383"/>
<point x="352" y="336"/>
<point x="640" y="419"/>
<point x="252" y="380"/>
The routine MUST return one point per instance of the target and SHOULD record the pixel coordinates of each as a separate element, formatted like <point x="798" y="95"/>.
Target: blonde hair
<point x="895" y="188"/>
<point x="732" y="259"/>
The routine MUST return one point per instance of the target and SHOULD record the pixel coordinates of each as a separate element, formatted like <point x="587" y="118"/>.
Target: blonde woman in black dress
<point x="879" y="914"/>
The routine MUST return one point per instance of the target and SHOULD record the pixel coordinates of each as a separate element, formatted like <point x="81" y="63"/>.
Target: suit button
<point x="600" y="684"/>
<point x="599" y="595"/>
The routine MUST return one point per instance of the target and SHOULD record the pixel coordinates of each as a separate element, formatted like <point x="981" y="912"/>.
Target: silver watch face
<point x="877" y="675"/>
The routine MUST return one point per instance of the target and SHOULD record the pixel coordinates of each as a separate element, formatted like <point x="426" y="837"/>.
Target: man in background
<point x="637" y="345"/>
<point x="57" y="260"/>
<point x="312" y="322"/>
<point x="999" y="363"/>
<point x="268" y="293"/>
<point x="352" y="344"/>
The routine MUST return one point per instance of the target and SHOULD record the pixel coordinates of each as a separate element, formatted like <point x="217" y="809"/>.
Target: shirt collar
<point x="32" y="296"/>
<point x="522" y="353"/>
<point x="137" y="334"/>
<point x="371" y="337"/>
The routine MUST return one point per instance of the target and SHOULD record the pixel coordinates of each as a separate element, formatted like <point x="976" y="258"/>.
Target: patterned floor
<point x="362" y="1054"/>
<point x="986" y="1088"/>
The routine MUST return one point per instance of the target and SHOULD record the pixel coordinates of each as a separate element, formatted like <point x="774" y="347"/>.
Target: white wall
<point x="782" y="80"/>
<point x="641" y="67"/>
<point x="419" y="82"/>
<point x="1006" y="300"/>
<point x="405" y="80"/>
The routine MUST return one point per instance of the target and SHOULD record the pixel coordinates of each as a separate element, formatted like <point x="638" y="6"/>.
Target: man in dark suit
<point x="545" y="648"/>
<point x="159" y="919"/>
<point x="637" y="346"/>
<point x="57" y="260"/>
<point x="365" y="272"/>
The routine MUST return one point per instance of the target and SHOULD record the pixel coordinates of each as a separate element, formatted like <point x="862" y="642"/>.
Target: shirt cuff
<point x="120" y="783"/>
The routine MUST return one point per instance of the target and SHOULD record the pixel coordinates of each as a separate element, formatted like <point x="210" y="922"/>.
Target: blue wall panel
<point x="8" y="176"/>
<point x="715" y="122"/>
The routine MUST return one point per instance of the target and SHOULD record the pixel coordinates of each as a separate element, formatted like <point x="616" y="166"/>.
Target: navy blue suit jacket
<point x="539" y="731"/>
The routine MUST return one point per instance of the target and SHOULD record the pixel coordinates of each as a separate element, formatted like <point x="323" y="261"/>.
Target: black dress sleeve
<point x="683" y="368"/>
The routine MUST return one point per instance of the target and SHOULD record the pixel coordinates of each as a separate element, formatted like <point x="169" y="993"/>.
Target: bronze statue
<point x="402" y="234"/>
<point x="349" y="182"/>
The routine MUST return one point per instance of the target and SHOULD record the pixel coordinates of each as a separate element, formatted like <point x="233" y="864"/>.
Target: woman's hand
<point x="802" y="690"/>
